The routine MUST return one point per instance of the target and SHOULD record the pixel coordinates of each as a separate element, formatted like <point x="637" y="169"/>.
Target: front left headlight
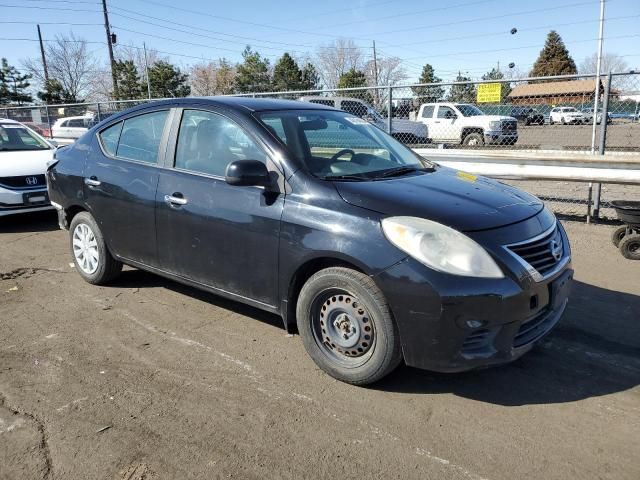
<point x="440" y="247"/>
<point x="495" y="125"/>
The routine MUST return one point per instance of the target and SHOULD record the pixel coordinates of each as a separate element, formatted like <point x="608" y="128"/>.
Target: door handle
<point x="172" y="200"/>
<point x="92" y="182"/>
<point x="436" y="121"/>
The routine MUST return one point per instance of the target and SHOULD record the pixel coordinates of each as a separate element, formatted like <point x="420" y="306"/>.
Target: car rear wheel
<point x="90" y="254"/>
<point x="346" y="326"/>
<point x="630" y="246"/>
<point x="563" y="121"/>
<point x="473" y="140"/>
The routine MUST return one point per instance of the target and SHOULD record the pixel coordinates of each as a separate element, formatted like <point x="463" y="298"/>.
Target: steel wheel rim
<point x="343" y="328"/>
<point x="85" y="249"/>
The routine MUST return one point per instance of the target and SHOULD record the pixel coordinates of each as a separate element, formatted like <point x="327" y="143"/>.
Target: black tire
<point x="630" y="246"/>
<point x="563" y="121"/>
<point x="550" y="121"/>
<point x="473" y="139"/>
<point x="107" y="267"/>
<point x="617" y="235"/>
<point x="338" y="300"/>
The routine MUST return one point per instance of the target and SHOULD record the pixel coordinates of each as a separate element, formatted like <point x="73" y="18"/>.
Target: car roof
<point x="242" y="103"/>
<point x="320" y="97"/>
<point x="9" y="121"/>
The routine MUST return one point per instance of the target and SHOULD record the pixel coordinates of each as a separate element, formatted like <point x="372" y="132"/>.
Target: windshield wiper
<point x="398" y="171"/>
<point x="351" y="178"/>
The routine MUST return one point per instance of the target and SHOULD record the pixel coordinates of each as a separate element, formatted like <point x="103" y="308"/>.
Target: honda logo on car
<point x="31" y="180"/>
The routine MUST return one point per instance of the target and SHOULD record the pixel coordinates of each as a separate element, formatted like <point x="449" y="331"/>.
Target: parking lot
<point x="150" y="379"/>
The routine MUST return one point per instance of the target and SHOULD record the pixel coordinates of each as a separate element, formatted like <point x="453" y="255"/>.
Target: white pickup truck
<point x="463" y="123"/>
<point x="407" y="131"/>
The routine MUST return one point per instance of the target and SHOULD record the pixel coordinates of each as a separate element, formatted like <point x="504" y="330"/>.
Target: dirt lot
<point x="621" y="135"/>
<point x="150" y="379"/>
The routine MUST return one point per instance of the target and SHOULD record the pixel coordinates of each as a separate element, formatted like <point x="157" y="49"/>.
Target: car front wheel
<point x="347" y="327"/>
<point x="90" y="254"/>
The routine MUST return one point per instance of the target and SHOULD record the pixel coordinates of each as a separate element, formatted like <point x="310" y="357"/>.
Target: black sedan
<point x="374" y="254"/>
<point x="527" y="116"/>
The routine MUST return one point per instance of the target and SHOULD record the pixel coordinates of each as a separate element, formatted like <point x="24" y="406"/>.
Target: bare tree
<point x="70" y="63"/>
<point x="390" y="72"/>
<point x="337" y="58"/>
<point x="203" y="79"/>
<point x="212" y="78"/>
<point x="610" y="62"/>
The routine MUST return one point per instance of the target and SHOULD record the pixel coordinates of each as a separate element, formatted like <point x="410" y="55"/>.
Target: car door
<point x="208" y="231"/>
<point x="121" y="178"/>
<point x="62" y="131"/>
<point x="444" y="127"/>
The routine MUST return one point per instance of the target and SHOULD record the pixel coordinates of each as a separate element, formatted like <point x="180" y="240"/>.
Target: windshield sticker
<point x="467" y="177"/>
<point x="357" y="120"/>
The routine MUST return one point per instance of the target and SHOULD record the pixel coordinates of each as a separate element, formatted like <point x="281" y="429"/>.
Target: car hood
<point x="460" y="200"/>
<point x="491" y="118"/>
<point x="33" y="162"/>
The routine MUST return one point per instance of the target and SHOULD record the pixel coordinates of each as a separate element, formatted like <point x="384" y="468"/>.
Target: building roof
<point x="570" y="87"/>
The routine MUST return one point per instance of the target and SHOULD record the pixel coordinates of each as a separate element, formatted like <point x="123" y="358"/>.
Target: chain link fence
<point x="550" y="114"/>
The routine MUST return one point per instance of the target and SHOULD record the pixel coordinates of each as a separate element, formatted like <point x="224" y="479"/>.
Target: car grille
<point x="23" y="182"/>
<point x="509" y="126"/>
<point x="477" y="342"/>
<point x="542" y="253"/>
<point x="535" y="328"/>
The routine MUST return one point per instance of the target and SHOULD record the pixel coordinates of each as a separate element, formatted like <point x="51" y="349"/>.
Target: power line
<point x="34" y="7"/>
<point x="246" y="22"/>
<point x="52" y="23"/>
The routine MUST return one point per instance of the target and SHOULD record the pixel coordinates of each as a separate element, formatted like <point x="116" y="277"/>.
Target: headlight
<point x="495" y="125"/>
<point x="440" y="247"/>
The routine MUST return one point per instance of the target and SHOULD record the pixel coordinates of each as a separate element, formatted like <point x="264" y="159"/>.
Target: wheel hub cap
<point x="85" y="248"/>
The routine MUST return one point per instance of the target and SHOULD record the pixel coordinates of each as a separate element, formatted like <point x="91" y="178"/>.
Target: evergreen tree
<point x="554" y="58"/>
<point x="252" y="73"/>
<point x="129" y="83"/>
<point x="310" y="78"/>
<point x="167" y="81"/>
<point x="286" y="74"/>
<point x="53" y="92"/>
<point x="13" y="85"/>
<point x="428" y="94"/>
<point x="465" y="92"/>
<point x="352" y="79"/>
<point x="496" y="74"/>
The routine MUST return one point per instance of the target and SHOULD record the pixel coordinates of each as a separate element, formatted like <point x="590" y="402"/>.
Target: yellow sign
<point x="489" y="92"/>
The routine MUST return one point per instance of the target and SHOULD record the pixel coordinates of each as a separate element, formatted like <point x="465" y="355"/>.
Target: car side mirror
<point x="450" y="116"/>
<point x="246" y="173"/>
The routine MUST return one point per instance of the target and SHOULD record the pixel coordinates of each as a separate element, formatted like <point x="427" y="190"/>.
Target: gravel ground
<point x="149" y="379"/>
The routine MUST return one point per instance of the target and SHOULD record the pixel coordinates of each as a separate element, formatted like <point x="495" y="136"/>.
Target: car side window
<point x="65" y="123"/>
<point x="208" y="142"/>
<point x="427" y="112"/>
<point x="354" y="108"/>
<point x="140" y="137"/>
<point x="109" y="138"/>
<point x="76" y="123"/>
<point x="274" y="125"/>
<point x="445" y="112"/>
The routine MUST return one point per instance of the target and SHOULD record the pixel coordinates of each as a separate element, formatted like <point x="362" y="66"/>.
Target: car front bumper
<point x="463" y="323"/>
<point x="22" y="201"/>
<point x="500" y="138"/>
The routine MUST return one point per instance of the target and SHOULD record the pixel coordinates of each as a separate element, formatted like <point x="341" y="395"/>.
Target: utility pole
<point x="375" y="73"/>
<point x="44" y="60"/>
<point x="596" y="190"/>
<point x="111" y="60"/>
<point x="146" y="69"/>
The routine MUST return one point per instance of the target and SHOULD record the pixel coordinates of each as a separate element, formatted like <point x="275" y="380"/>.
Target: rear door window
<point x="321" y="101"/>
<point x="354" y="108"/>
<point x="445" y="112"/>
<point x="427" y="112"/>
<point x="140" y="137"/>
<point x="109" y="138"/>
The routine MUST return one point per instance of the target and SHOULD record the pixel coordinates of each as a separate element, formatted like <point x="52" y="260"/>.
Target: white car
<point x="23" y="162"/>
<point x="71" y="127"/>
<point x="466" y="124"/>
<point x="565" y="115"/>
<point x="401" y="128"/>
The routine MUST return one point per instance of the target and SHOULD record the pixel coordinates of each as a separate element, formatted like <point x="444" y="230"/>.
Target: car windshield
<point x="335" y="145"/>
<point x="15" y="137"/>
<point x="571" y="109"/>
<point x="469" y="110"/>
